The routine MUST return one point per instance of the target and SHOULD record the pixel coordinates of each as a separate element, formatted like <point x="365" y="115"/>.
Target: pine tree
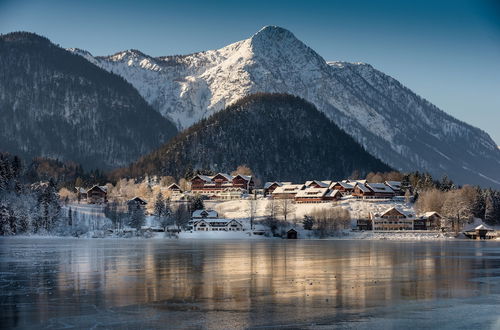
<point x="159" y="207"/>
<point x="196" y="203"/>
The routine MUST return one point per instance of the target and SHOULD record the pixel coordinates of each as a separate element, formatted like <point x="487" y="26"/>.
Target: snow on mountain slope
<point x="391" y="121"/>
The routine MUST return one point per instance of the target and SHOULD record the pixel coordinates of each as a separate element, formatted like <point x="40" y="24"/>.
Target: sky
<point x="446" y="51"/>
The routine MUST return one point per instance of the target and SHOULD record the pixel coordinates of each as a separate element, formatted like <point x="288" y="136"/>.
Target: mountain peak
<point x="273" y="33"/>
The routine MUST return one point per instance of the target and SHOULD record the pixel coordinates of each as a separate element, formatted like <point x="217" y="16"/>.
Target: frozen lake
<point x="119" y="283"/>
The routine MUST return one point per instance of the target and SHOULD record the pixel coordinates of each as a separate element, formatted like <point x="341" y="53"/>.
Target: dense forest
<point x="279" y="136"/>
<point x="59" y="105"/>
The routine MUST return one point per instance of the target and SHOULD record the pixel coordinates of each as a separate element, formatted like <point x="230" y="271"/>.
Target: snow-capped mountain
<point x="388" y="119"/>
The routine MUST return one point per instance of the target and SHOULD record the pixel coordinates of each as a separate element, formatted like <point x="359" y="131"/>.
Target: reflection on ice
<point x="70" y="282"/>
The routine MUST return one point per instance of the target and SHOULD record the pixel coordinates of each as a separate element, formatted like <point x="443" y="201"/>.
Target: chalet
<point x="380" y="190"/>
<point x="174" y="187"/>
<point x="481" y="232"/>
<point x="217" y="224"/>
<point x="97" y="195"/>
<point x="392" y="219"/>
<point x="287" y="191"/>
<point x="212" y="185"/>
<point x="345" y="188"/>
<point x="139" y="202"/>
<point x="244" y="182"/>
<point x="311" y="195"/>
<point x="432" y="221"/>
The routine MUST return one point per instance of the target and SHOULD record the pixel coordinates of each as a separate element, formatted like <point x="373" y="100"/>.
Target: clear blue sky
<point x="446" y="51"/>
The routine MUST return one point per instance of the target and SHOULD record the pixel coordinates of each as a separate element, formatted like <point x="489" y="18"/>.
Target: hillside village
<point x="233" y="204"/>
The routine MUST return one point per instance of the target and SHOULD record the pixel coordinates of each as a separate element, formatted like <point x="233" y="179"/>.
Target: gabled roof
<point x="288" y="189"/>
<point x="244" y="177"/>
<point x="225" y="175"/>
<point x="355" y="181"/>
<point x="269" y="184"/>
<point x="345" y="185"/>
<point x="205" y="178"/>
<point x="205" y="214"/>
<point x="380" y="188"/>
<point x="319" y="183"/>
<point x="483" y="227"/>
<point x="102" y="188"/>
<point x="393" y="208"/>
<point x="138" y="200"/>
<point x="174" y="185"/>
<point x="362" y="187"/>
<point x="395" y="185"/>
<point x="312" y="193"/>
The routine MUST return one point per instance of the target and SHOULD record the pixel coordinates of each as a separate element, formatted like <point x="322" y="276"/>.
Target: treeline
<point x="26" y="208"/>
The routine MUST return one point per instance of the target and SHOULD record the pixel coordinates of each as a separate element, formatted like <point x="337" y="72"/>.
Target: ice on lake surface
<point x="120" y="283"/>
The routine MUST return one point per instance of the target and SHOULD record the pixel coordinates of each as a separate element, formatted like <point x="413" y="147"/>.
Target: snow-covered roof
<point x="395" y="185"/>
<point x="362" y="187"/>
<point x="102" y="188"/>
<point x="174" y="186"/>
<point x="205" y="178"/>
<point x="213" y="221"/>
<point x="205" y="214"/>
<point x="288" y="189"/>
<point x="380" y="188"/>
<point x="345" y="185"/>
<point x="244" y="177"/>
<point x="483" y="227"/>
<point x="311" y="193"/>
<point x="138" y="199"/>
<point x="355" y="181"/>
<point x="225" y="175"/>
<point x="405" y="213"/>
<point x="269" y="184"/>
<point x="319" y="183"/>
<point x="333" y="193"/>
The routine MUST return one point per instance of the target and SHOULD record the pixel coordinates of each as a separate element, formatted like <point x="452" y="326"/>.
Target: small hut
<point x="292" y="234"/>
<point x="481" y="232"/>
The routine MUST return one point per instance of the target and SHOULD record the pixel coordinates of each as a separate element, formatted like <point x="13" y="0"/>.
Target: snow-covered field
<point x="240" y="209"/>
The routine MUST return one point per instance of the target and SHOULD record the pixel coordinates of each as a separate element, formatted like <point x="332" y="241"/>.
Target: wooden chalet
<point x="432" y="221"/>
<point x="392" y="219"/>
<point x="211" y="185"/>
<point x="97" y="195"/>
